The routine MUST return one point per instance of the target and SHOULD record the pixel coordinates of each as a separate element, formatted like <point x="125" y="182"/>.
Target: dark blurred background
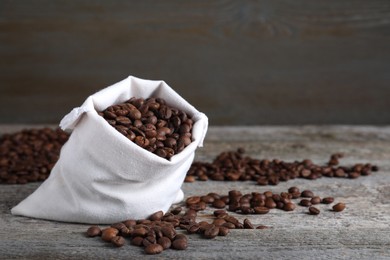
<point x="240" y="62"/>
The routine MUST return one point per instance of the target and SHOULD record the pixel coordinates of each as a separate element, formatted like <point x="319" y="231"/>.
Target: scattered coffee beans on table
<point x="30" y="154"/>
<point x="234" y="166"/>
<point x="152" y="124"/>
<point x="159" y="231"/>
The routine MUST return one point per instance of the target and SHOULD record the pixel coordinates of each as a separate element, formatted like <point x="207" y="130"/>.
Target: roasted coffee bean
<point x="118" y="241"/>
<point x="193" y="228"/>
<point x="261" y="210"/>
<point x="156" y="216"/>
<point x="118" y="226"/>
<point x="207" y="199"/>
<point x="130" y="223"/>
<point x="261" y="227"/>
<point x="109" y="233"/>
<point x="307" y="194"/>
<point x="248" y="224"/>
<point x="315" y="200"/>
<point x="139" y="232"/>
<point x="198" y="206"/>
<point x="229" y="225"/>
<point x="180" y="244"/>
<point x="293" y="190"/>
<point x="211" y="232"/>
<point x="192" y="200"/>
<point x="169" y="232"/>
<point x="137" y="241"/>
<point x="153" y="249"/>
<point x="327" y="200"/>
<point x="219" y="221"/>
<point x="305" y="203"/>
<point x="289" y="206"/>
<point x="176" y="210"/>
<point x="164" y="242"/>
<point x="94" y="231"/>
<point x="313" y="211"/>
<point x="149" y="240"/>
<point x="223" y="231"/>
<point x="339" y="207"/>
<point x="270" y="203"/>
<point x="219" y="204"/>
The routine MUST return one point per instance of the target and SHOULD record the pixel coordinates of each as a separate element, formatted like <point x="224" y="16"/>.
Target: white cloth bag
<point x="102" y="177"/>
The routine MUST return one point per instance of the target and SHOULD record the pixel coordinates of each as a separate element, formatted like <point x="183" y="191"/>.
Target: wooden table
<point x="361" y="231"/>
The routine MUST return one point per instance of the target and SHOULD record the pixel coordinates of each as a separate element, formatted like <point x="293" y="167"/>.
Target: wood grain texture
<point x="251" y="62"/>
<point x="361" y="231"/>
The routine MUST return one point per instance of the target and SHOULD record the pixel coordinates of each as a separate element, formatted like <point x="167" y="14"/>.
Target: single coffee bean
<point x="149" y="240"/>
<point x="211" y="232"/>
<point x="198" y="206"/>
<point x="305" y="203"/>
<point x="327" y="200"/>
<point x="156" y="216"/>
<point x="192" y="200"/>
<point x="169" y="232"/>
<point x="219" y="221"/>
<point x="220" y="213"/>
<point x="153" y="249"/>
<point x="223" y="231"/>
<point x="164" y="242"/>
<point x="315" y="200"/>
<point x="176" y="210"/>
<point x="339" y="207"/>
<point x="248" y="224"/>
<point x="313" y="211"/>
<point x="193" y="228"/>
<point x="307" y="194"/>
<point x="139" y="232"/>
<point x="137" y="241"/>
<point x="180" y="244"/>
<point x="207" y="199"/>
<point x="118" y="226"/>
<point x="261" y="210"/>
<point x="219" y="204"/>
<point x="94" y="231"/>
<point x="118" y="241"/>
<point x="289" y="206"/>
<point x="261" y="227"/>
<point x="270" y="203"/>
<point x="109" y="233"/>
<point x="229" y="225"/>
<point x="130" y="223"/>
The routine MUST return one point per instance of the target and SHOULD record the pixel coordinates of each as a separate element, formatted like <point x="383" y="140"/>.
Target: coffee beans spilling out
<point x="151" y="124"/>
<point x="234" y="166"/>
<point x="30" y="154"/>
<point x="159" y="231"/>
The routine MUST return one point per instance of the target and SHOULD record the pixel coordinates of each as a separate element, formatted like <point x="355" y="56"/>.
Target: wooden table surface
<point x="361" y="231"/>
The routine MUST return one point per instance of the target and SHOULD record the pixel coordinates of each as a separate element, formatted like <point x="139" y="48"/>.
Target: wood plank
<point x="266" y="62"/>
<point x="362" y="231"/>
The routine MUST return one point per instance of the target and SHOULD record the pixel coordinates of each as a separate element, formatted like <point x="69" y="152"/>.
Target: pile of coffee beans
<point x="260" y="203"/>
<point x="235" y="166"/>
<point x="151" y="124"/>
<point x="155" y="234"/>
<point x="30" y="154"/>
<point x="159" y="231"/>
